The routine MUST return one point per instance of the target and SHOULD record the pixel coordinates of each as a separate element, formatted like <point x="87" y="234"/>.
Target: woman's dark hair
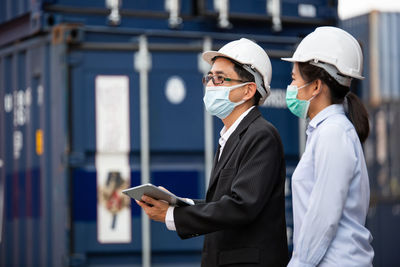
<point x="243" y="75"/>
<point x="356" y="111"/>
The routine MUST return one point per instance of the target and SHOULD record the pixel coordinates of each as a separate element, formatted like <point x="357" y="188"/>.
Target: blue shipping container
<point x="52" y="131"/>
<point x="20" y="19"/>
<point x="379" y="36"/>
<point x="378" y="33"/>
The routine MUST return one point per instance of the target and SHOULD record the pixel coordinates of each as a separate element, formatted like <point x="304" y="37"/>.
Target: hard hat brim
<point x="290" y="59"/>
<point x="209" y="55"/>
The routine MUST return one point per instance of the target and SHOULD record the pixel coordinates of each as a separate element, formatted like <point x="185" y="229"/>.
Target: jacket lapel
<point x="231" y="144"/>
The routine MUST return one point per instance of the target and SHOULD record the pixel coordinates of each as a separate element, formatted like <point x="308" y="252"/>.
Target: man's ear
<point x="251" y="90"/>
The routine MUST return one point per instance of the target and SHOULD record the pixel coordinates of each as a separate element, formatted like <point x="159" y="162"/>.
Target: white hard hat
<point x="334" y="50"/>
<point x="253" y="58"/>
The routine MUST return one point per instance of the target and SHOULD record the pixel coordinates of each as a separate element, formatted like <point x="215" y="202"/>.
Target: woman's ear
<point x="317" y="87"/>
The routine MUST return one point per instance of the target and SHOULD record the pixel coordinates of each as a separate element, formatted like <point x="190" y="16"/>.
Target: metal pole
<point x="142" y="63"/>
<point x="208" y="120"/>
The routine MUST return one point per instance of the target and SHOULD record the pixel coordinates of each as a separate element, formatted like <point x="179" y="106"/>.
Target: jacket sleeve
<point x="256" y="173"/>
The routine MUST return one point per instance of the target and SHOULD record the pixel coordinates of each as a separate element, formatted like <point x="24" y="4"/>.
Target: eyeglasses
<point x="218" y="79"/>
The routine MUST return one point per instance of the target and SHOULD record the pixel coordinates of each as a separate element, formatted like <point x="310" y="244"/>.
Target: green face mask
<point x="296" y="106"/>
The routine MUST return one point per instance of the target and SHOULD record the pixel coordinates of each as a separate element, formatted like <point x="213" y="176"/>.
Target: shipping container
<point x="72" y="127"/>
<point x="102" y="95"/>
<point x="21" y="19"/>
<point x="378" y="34"/>
<point x="382" y="151"/>
<point x="383" y="221"/>
<point x="280" y="12"/>
<point x="178" y="11"/>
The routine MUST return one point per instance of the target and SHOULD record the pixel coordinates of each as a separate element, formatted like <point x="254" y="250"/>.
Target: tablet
<point x="157" y="193"/>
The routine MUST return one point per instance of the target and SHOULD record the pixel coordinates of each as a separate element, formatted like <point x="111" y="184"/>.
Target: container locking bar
<point x="204" y="67"/>
<point x="142" y="64"/>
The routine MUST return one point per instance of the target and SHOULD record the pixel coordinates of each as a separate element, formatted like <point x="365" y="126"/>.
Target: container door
<point x="104" y="107"/>
<point x="26" y="207"/>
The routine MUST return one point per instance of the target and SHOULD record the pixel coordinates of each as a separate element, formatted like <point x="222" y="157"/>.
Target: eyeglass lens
<point x="216" y="79"/>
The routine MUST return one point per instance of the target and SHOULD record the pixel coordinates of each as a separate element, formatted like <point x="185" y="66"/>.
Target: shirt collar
<point x="226" y="133"/>
<point x="323" y="114"/>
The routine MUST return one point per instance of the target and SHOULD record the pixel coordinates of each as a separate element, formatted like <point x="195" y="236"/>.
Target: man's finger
<point x="149" y="200"/>
<point x="140" y="203"/>
<point x="143" y="204"/>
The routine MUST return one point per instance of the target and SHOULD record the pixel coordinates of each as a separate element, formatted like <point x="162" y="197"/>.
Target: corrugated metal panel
<point x="389" y="36"/>
<point x="379" y="35"/>
<point x="30" y="203"/>
<point x="383" y="221"/>
<point x="13" y="9"/>
<point x="314" y="9"/>
<point x="160" y="14"/>
<point x="382" y="150"/>
<point x="358" y="27"/>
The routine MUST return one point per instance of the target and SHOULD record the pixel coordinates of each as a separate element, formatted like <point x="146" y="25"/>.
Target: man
<point x="243" y="215"/>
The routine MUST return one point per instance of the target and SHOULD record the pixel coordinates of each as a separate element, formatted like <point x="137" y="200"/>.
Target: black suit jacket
<point x="243" y="215"/>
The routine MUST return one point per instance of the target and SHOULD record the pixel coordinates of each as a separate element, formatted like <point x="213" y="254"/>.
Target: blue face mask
<point x="296" y="106"/>
<point x="216" y="100"/>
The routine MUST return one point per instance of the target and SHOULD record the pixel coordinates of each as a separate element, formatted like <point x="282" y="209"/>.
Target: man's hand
<point x="155" y="209"/>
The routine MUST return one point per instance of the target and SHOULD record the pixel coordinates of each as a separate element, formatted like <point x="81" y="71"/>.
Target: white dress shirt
<point x="225" y="134"/>
<point x="330" y="190"/>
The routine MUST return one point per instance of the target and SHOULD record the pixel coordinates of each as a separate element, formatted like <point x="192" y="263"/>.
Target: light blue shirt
<point x="330" y="189"/>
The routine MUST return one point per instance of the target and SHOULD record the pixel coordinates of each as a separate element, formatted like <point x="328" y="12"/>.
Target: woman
<point x="330" y="185"/>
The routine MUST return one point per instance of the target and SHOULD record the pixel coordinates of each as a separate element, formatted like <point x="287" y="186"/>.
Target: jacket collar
<point x="232" y="143"/>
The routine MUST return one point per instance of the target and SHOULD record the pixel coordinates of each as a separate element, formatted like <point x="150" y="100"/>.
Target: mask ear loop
<point x="304" y="85"/>
<point x="313" y="95"/>
<point x="259" y="82"/>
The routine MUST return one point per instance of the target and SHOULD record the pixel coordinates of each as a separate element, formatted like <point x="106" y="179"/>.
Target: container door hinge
<point x="173" y="7"/>
<point x="67" y="33"/>
<point x="274" y="10"/>
<point x="114" y="18"/>
<point x="36" y="16"/>
<point x="222" y="6"/>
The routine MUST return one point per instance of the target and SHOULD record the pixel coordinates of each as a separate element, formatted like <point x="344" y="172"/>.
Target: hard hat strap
<point x="333" y="71"/>
<point x="259" y="81"/>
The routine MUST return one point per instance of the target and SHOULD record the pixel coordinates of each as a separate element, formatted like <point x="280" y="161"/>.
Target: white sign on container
<point x="112" y="159"/>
